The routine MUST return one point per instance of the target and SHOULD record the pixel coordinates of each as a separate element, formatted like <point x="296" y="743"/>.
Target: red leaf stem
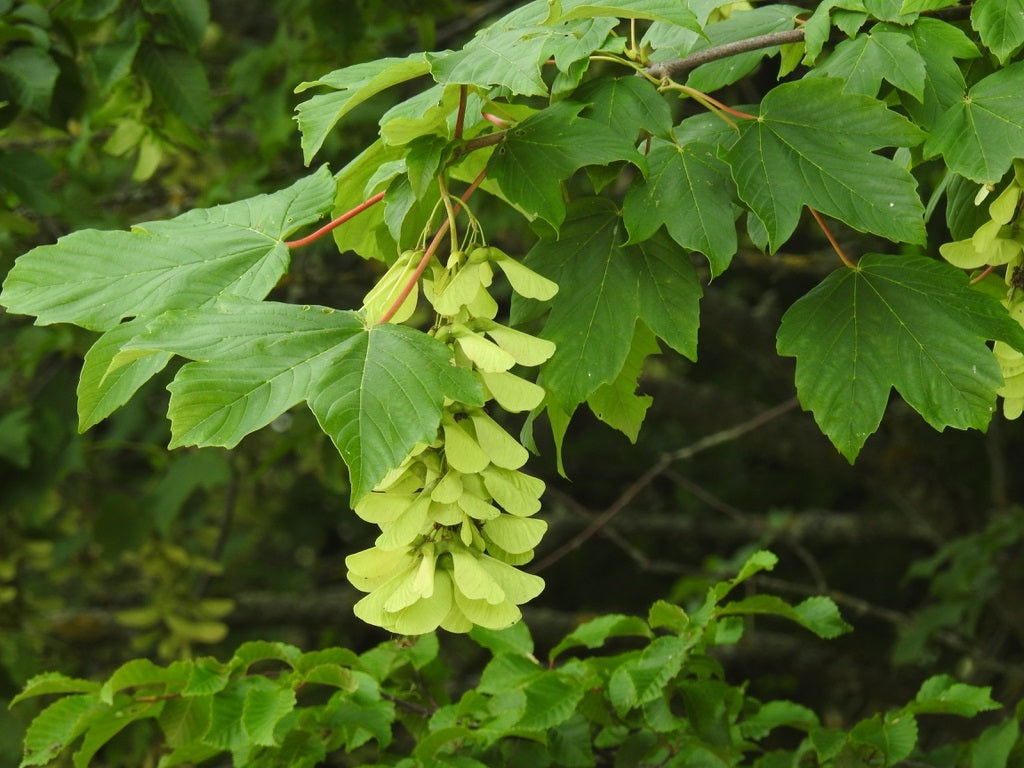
<point x="494" y="119"/>
<point x="982" y="275"/>
<point x="728" y="109"/>
<point x="431" y="249"/>
<point x="835" y="245"/>
<point x="335" y="222"/>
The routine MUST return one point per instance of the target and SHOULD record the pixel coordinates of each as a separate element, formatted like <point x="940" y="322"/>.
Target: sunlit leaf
<point x="351" y="86"/>
<point x="97" y="279"/>
<point x="375" y="391"/>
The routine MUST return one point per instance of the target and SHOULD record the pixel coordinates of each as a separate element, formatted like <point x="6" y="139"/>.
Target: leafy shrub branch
<point x="594" y="122"/>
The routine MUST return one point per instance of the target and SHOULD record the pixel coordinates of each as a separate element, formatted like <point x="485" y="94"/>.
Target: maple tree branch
<point x="479" y="142"/>
<point x="335" y="222"/>
<point x="658" y="468"/>
<point x="676" y="67"/>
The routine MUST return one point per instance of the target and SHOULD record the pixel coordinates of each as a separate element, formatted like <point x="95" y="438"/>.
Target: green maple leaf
<point x="868" y="59"/>
<point x="375" y="391"/>
<point x="103" y="387"/>
<point x="97" y="279"/>
<point x="627" y="105"/>
<point x="654" y="10"/>
<point x="688" y="190"/>
<point x="903" y="322"/>
<point x="616" y="403"/>
<point x="545" y="149"/>
<point x="939" y="44"/>
<point x="819" y="25"/>
<point x="607" y="285"/>
<point x="1000" y="24"/>
<point x="981" y="134"/>
<point x="352" y="86"/>
<point x="511" y="51"/>
<point x="813" y="145"/>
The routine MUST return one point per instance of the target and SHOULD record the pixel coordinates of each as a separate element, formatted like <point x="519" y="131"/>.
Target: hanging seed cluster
<point x="457" y="516"/>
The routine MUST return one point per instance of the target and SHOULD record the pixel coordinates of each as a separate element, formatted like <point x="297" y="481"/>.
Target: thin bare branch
<point x="656" y="469"/>
<point x="677" y="67"/>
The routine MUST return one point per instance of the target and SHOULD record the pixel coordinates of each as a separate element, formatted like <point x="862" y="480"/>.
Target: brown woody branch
<point x="676" y="67"/>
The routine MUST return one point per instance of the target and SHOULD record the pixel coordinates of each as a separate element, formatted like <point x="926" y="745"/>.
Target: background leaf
<point x="817" y="614"/>
<point x="178" y="81"/>
<point x="31" y="75"/>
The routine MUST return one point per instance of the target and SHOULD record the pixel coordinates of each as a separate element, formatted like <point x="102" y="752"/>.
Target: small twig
<point x="702" y="494"/>
<point x="611" y="533"/>
<point x="461" y="117"/>
<point x="676" y="67"/>
<point x="479" y="142"/>
<point x="783" y="534"/>
<point x="835" y="244"/>
<point x="666" y="460"/>
<point x="335" y="222"/>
